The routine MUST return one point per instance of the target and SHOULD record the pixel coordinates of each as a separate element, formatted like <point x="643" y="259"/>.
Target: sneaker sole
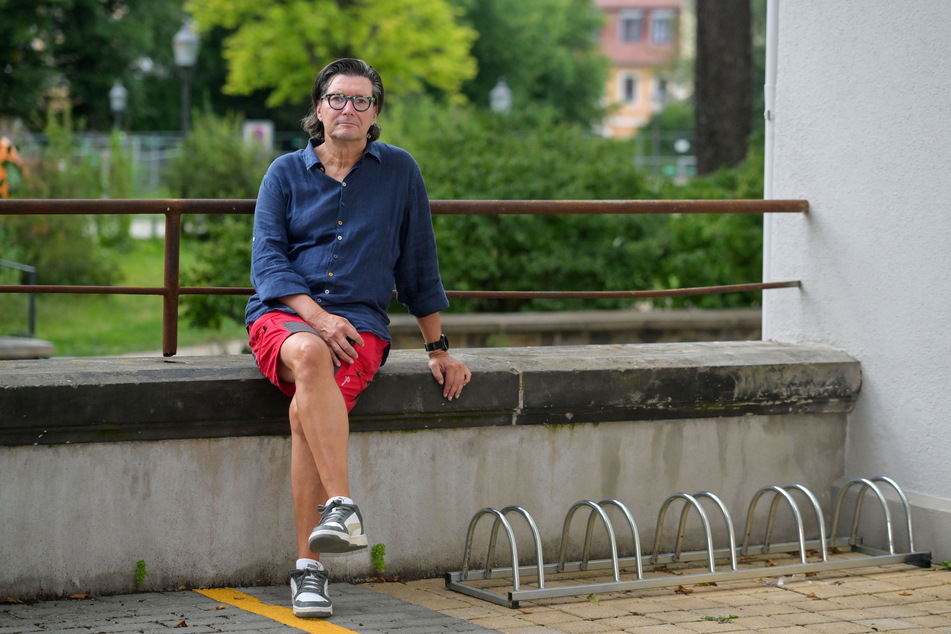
<point x="335" y="542"/>
<point x="313" y="613"/>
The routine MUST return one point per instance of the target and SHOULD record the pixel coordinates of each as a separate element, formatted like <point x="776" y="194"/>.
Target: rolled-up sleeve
<point x="418" y="283"/>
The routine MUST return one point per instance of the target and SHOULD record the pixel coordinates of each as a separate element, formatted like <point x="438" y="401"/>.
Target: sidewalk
<point x="886" y="598"/>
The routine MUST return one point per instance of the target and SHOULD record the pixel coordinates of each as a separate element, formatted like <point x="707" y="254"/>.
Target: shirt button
<point x="320" y="301"/>
<point x="326" y="292"/>
<point x="330" y="274"/>
<point x="340" y="237"/>
<point x="339" y="222"/>
<point x="344" y="184"/>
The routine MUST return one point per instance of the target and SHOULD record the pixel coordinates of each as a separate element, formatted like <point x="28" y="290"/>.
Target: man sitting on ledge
<point x="337" y="226"/>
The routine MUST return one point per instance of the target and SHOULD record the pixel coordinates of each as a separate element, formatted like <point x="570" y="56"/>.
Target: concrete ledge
<point x="210" y="504"/>
<point x="45" y="402"/>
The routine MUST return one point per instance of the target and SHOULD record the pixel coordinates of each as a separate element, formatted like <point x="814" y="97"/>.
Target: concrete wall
<point x="183" y="463"/>
<point x="861" y="132"/>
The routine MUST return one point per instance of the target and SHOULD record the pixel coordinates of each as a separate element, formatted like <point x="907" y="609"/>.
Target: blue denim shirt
<point x="346" y="244"/>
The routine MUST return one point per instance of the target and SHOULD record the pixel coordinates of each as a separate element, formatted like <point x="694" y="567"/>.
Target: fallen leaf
<point x="705" y="583"/>
<point x="811" y="595"/>
<point x="9" y="600"/>
<point x="904" y="594"/>
<point x="593" y="598"/>
<point x="221" y="607"/>
<point x="769" y="562"/>
<point x="682" y="590"/>
<point x="526" y="612"/>
<point x="80" y="596"/>
<point x="811" y="574"/>
<point x="181" y="624"/>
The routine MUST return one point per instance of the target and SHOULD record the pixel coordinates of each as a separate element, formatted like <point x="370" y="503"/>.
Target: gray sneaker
<point x="340" y="529"/>
<point x="309" y="596"/>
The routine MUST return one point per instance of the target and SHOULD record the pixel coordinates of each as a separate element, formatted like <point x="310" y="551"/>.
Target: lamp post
<point x="118" y="97"/>
<point x="658" y="102"/>
<point x="185" y="48"/>
<point x="500" y="97"/>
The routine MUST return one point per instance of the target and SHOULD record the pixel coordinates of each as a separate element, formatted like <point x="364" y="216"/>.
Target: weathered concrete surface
<point x="213" y="509"/>
<point x="92" y="400"/>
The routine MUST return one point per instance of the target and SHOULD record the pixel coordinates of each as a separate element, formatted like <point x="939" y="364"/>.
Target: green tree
<point x="416" y="45"/>
<point x="81" y="46"/>
<point x="546" y="50"/>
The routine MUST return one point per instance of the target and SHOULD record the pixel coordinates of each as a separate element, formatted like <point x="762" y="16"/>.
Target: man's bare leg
<point x="320" y="428"/>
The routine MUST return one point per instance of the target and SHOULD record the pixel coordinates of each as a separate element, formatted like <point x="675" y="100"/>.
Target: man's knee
<point x="305" y="354"/>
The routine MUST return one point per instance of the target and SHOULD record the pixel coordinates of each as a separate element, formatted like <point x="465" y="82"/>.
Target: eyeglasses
<point x="339" y="102"/>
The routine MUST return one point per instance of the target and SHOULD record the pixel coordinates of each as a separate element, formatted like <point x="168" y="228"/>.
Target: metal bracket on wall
<point x="461" y="581"/>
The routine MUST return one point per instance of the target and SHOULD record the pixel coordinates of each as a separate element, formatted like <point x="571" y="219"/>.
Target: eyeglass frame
<point x="371" y="100"/>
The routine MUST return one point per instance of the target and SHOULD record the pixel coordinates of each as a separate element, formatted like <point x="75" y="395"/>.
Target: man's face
<point x="347" y="125"/>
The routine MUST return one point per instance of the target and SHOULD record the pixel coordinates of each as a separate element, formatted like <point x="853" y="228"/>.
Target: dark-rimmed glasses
<point x="338" y="102"/>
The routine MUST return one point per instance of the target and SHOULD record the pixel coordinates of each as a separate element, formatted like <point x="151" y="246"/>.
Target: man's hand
<point x="450" y="373"/>
<point x="339" y="335"/>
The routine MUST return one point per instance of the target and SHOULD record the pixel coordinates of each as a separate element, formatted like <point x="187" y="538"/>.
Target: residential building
<point x="643" y="40"/>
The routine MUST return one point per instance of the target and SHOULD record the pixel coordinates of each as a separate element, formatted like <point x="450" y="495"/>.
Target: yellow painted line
<point x="277" y="613"/>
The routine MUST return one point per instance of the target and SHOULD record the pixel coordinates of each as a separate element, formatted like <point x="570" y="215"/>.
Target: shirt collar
<point x="310" y="157"/>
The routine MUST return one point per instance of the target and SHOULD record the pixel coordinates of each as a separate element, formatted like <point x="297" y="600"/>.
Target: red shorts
<point x="269" y="332"/>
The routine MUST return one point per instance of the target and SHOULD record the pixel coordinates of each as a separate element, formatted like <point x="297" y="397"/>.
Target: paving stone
<point x="930" y="620"/>
<point x="884" y="625"/>
<point x="839" y="627"/>
<point x="532" y="629"/>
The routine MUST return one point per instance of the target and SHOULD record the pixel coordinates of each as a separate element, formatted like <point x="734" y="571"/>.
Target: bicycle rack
<point x="819" y="542"/>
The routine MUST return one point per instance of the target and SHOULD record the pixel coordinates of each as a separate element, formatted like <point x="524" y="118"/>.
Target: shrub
<point x="64" y="249"/>
<point x="216" y="162"/>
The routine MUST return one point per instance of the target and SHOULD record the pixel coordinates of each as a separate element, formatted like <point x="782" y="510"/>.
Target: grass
<point x="105" y="325"/>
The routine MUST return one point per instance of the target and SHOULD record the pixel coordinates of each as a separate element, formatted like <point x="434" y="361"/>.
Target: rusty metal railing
<point x="174" y="209"/>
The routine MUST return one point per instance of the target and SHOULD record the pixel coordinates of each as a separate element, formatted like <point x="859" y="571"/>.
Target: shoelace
<point x="336" y="512"/>
<point x="311" y="581"/>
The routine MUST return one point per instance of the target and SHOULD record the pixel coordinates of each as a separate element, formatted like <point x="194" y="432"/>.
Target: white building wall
<point x="862" y="131"/>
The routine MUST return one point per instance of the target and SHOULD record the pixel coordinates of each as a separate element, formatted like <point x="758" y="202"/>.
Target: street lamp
<point x="658" y="103"/>
<point x="500" y="97"/>
<point x="118" y="97"/>
<point x="185" y="47"/>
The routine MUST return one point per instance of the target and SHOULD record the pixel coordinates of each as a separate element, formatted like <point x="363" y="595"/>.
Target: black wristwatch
<point x="442" y="344"/>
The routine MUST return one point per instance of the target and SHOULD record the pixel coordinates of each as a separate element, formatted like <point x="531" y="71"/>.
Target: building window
<point x="631" y="26"/>
<point x="662" y="26"/>
<point x="627" y="88"/>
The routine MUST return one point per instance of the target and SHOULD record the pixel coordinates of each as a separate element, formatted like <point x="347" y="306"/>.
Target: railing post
<point x="173" y="236"/>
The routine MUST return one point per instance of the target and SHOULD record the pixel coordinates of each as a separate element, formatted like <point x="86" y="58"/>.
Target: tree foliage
<point x="416" y="45"/>
<point x="545" y="50"/>
<point x="530" y="155"/>
<point x="77" y="49"/>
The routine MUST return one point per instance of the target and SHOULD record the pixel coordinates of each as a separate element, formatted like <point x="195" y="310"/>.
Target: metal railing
<point x="174" y="209"/>
<point x="31" y="276"/>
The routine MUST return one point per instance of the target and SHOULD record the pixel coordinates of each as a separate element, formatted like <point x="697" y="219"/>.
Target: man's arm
<point x="450" y="373"/>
